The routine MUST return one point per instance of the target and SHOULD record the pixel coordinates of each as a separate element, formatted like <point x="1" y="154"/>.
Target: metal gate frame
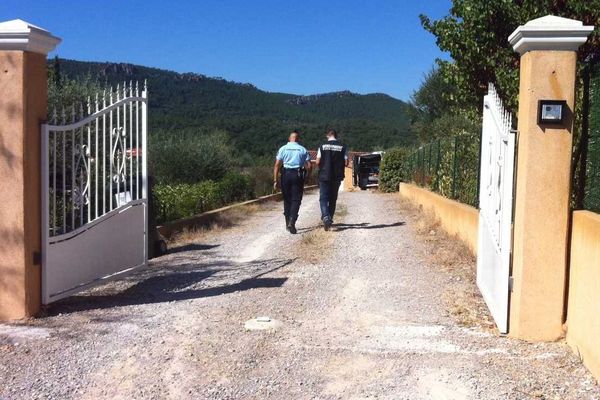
<point x="496" y="192"/>
<point x="94" y="207"/>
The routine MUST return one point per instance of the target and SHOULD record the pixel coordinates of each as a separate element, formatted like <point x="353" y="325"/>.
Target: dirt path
<point x="362" y="315"/>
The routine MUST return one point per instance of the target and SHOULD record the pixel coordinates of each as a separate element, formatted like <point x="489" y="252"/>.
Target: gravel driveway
<point x="358" y="313"/>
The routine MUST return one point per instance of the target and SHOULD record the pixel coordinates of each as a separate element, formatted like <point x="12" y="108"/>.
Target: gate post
<point x="23" y="106"/>
<point x="548" y="48"/>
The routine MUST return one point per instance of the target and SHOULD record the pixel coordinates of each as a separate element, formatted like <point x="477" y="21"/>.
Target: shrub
<point x="262" y="179"/>
<point x="235" y="187"/>
<point x="182" y="200"/>
<point x="189" y="156"/>
<point x="391" y="171"/>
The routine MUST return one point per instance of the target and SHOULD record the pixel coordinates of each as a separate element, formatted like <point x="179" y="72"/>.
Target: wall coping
<point x="21" y="35"/>
<point x="550" y="33"/>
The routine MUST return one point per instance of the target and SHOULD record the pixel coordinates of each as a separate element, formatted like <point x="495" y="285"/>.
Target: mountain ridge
<point x="256" y="120"/>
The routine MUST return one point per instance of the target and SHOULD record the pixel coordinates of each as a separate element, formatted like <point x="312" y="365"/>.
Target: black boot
<point x="291" y="226"/>
<point x="327" y="222"/>
<point x="287" y="223"/>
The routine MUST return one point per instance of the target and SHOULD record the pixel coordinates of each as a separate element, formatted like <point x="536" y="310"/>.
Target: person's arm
<point x="308" y="163"/>
<point x="276" y="169"/>
<point x="318" y="162"/>
<point x="346" y="159"/>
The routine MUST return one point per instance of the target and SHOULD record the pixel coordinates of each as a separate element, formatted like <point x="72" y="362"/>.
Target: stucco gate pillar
<point x="23" y="106"/>
<point x="548" y="48"/>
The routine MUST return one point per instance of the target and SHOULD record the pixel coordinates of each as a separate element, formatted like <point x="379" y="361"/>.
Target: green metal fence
<point x="591" y="199"/>
<point x="449" y="167"/>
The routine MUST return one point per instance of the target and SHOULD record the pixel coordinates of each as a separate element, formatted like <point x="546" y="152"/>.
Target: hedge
<point x="182" y="200"/>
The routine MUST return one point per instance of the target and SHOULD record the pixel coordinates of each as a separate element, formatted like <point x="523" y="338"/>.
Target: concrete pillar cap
<point x="21" y="35"/>
<point x="550" y="33"/>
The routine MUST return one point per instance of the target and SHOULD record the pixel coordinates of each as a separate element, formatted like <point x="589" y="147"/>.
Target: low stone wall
<point x="207" y="218"/>
<point x="456" y="218"/>
<point x="583" y="313"/>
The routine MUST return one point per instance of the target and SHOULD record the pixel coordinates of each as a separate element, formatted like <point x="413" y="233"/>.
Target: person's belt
<point x="291" y="169"/>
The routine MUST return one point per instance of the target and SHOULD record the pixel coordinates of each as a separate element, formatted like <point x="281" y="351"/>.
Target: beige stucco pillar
<point x="23" y="103"/>
<point x="548" y="48"/>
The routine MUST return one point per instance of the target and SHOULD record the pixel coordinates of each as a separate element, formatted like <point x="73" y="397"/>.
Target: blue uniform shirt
<point x="293" y="155"/>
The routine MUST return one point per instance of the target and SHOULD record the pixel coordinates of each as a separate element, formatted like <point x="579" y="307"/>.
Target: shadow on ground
<point x="183" y="282"/>
<point x="191" y="247"/>
<point x="366" y="225"/>
<point x="309" y="229"/>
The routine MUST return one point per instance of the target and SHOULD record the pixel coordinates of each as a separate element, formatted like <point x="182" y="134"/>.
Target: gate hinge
<point x="511" y="282"/>
<point x="37" y="258"/>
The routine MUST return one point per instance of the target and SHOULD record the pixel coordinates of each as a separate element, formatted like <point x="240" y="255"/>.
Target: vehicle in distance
<point x="365" y="170"/>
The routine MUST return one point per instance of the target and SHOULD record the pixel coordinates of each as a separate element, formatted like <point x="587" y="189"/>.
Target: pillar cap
<point x="550" y="33"/>
<point x="21" y="35"/>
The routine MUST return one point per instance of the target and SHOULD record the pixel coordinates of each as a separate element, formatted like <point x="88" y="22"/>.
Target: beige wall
<point x="22" y="109"/>
<point x="348" y="179"/>
<point x="583" y="315"/>
<point x="455" y="218"/>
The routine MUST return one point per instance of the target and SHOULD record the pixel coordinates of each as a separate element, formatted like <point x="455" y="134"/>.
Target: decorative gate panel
<point x="94" y="192"/>
<point x="496" y="208"/>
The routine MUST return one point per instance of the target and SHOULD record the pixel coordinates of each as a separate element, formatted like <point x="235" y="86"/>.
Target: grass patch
<point x="224" y="220"/>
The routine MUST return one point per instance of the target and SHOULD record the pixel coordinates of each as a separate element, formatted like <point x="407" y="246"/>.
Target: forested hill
<point x="257" y="121"/>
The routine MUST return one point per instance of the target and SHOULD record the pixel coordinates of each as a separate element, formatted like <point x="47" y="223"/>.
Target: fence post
<point x="437" y="166"/>
<point x="454" y="166"/>
<point x="548" y="48"/>
<point x="23" y="106"/>
<point x="429" y="166"/>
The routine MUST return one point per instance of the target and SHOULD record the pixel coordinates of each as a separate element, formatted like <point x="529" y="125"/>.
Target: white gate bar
<point x="144" y="139"/>
<point x="103" y="153"/>
<point x="110" y="135"/>
<point x="131" y="142"/>
<point x="64" y="174"/>
<point x="117" y="134"/>
<point x="137" y="142"/>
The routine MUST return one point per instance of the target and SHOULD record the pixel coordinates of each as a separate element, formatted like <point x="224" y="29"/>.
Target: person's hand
<point x="274" y="186"/>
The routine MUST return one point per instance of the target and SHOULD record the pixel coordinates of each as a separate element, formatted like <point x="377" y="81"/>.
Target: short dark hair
<point x="332" y="132"/>
<point x="296" y="131"/>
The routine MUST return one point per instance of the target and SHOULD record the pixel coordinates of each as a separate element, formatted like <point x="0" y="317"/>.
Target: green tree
<point x="65" y="93"/>
<point x="475" y="35"/>
<point x="435" y="113"/>
<point x="433" y="98"/>
<point x="189" y="156"/>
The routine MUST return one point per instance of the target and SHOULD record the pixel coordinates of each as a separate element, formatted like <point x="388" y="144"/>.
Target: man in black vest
<point x="332" y="158"/>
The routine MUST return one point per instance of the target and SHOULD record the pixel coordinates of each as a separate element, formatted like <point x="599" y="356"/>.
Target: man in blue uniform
<point x="332" y="158"/>
<point x="295" y="160"/>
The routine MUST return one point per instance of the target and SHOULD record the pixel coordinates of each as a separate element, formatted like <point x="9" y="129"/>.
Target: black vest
<point x="333" y="162"/>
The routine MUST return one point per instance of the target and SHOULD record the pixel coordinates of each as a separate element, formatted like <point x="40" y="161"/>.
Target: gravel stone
<point x="361" y="312"/>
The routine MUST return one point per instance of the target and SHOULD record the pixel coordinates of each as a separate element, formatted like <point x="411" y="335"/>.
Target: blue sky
<point x="301" y="47"/>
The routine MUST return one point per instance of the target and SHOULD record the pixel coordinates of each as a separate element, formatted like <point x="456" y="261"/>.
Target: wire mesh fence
<point x="448" y="166"/>
<point x="592" y="174"/>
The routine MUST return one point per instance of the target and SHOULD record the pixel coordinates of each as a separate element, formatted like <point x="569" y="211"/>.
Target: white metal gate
<point x="496" y="208"/>
<point x="94" y="194"/>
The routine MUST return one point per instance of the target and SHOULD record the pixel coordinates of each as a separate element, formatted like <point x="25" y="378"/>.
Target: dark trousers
<point x="328" y="194"/>
<point x="292" y="188"/>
